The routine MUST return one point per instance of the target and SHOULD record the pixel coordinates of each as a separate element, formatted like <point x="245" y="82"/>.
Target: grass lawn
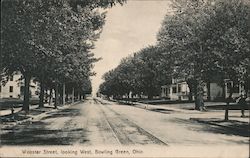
<point x="6" y="103"/>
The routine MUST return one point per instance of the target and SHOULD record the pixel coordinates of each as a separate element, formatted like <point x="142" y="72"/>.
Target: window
<point x="229" y="86"/>
<point x="174" y="89"/>
<point x="11" y="88"/>
<point x="236" y="89"/>
<point x="179" y="88"/>
<point x="11" y="78"/>
<point x="11" y="96"/>
<point x="168" y="91"/>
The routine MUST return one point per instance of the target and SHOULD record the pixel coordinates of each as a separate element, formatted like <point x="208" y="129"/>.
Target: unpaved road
<point x="88" y="123"/>
<point x="97" y="122"/>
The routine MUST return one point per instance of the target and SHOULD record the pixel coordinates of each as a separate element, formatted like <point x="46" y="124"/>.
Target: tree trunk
<point x="26" y="100"/>
<point x="228" y="100"/>
<point x="199" y="102"/>
<point x="50" y="96"/>
<point x="226" y="111"/>
<point x="224" y="92"/>
<point x="191" y="87"/>
<point x="56" y="96"/>
<point x="60" y="96"/>
<point x="150" y="94"/>
<point x="79" y="96"/>
<point x="199" y="87"/>
<point x="208" y="91"/>
<point x="41" y="96"/>
<point x="73" y="95"/>
<point x="46" y="98"/>
<point x="67" y="97"/>
<point x="190" y="96"/>
<point x="63" y="94"/>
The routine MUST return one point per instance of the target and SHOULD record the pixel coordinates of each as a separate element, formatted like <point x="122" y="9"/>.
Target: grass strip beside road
<point x="21" y="116"/>
<point x="7" y="103"/>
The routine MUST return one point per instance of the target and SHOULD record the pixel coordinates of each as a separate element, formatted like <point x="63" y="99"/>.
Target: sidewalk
<point x="210" y="113"/>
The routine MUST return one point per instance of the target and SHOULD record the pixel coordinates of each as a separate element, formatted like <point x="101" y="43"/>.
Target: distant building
<point x="14" y="88"/>
<point x="179" y="90"/>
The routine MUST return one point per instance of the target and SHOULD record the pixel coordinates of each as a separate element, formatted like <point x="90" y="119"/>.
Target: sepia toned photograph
<point x="125" y="78"/>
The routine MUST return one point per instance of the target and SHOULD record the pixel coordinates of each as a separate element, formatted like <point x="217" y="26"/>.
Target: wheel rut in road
<point x="126" y="131"/>
<point x="99" y="131"/>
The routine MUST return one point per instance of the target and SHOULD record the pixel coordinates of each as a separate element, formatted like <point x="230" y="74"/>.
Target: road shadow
<point x="216" y="126"/>
<point x="13" y="118"/>
<point x="71" y="112"/>
<point x="161" y="110"/>
<point x="232" y="127"/>
<point x="36" y="133"/>
<point x="41" y="133"/>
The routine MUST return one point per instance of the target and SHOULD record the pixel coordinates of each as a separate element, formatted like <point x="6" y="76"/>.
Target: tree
<point x="230" y="41"/>
<point x="151" y="71"/>
<point x="46" y="39"/>
<point x="111" y="85"/>
<point x="17" y="54"/>
<point x="204" y="38"/>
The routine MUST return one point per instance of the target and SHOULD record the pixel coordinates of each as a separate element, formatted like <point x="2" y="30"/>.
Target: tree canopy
<point x="142" y="74"/>
<point x="208" y="38"/>
<point x="51" y="40"/>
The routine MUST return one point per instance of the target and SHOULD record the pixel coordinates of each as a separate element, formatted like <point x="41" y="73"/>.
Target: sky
<point x="127" y="29"/>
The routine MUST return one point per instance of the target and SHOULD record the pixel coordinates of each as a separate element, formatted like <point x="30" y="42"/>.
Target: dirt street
<point x="95" y="122"/>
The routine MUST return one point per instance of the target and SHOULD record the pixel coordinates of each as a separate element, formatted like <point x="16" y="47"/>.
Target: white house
<point x="14" y="88"/>
<point x="178" y="90"/>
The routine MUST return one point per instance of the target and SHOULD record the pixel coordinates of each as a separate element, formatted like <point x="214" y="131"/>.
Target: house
<point x="14" y="88"/>
<point x="179" y="90"/>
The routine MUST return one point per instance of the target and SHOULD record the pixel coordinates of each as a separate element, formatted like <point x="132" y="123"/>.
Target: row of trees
<point x="202" y="42"/>
<point x="140" y="74"/>
<point x="51" y="41"/>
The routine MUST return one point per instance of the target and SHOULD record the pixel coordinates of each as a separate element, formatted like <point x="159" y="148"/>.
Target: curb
<point x="150" y="107"/>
